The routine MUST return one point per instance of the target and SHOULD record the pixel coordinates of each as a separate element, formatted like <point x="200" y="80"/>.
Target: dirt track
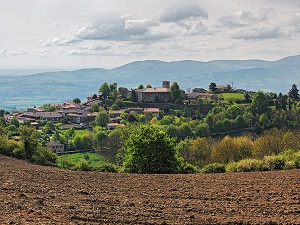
<point x="31" y="194"/>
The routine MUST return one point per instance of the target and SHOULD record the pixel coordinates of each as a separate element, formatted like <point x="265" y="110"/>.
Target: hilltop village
<point x="149" y="101"/>
<point x="195" y="130"/>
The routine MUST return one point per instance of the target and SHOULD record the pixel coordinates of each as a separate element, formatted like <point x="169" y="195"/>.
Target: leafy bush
<point x="249" y="165"/>
<point x="213" y="168"/>
<point x="65" y="163"/>
<point x="275" y="162"/>
<point x="230" y="167"/>
<point x="189" y="168"/>
<point x="107" y="167"/>
<point x="44" y="157"/>
<point x="84" y="166"/>
<point x="19" y="152"/>
<point x="7" y="146"/>
<point x="296" y="162"/>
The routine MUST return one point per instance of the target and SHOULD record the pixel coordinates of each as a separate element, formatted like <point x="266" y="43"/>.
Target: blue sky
<point x="71" y="34"/>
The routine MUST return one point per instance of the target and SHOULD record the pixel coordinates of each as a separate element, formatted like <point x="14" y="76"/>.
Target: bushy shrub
<point x="275" y="162"/>
<point x="249" y="165"/>
<point x="19" y="152"/>
<point x="84" y="166"/>
<point x="189" y="168"/>
<point x="107" y="167"/>
<point x="230" y="167"/>
<point x="213" y="168"/>
<point x="44" y="157"/>
<point x="7" y="146"/>
<point x="296" y="162"/>
<point x="65" y="163"/>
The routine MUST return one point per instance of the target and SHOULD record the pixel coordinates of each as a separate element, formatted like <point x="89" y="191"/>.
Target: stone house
<point x="56" y="147"/>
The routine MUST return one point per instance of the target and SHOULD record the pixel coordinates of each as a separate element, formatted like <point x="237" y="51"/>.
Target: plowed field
<point x="31" y="194"/>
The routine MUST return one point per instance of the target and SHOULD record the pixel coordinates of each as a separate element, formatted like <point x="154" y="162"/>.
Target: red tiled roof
<point x="159" y="90"/>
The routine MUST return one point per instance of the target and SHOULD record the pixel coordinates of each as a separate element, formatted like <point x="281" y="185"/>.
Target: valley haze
<point x="28" y="90"/>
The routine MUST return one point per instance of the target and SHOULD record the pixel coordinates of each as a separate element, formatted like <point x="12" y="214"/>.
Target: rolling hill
<point x="19" y="92"/>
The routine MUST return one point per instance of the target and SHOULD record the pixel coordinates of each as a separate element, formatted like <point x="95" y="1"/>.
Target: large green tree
<point x="150" y="150"/>
<point x="212" y="87"/>
<point x="76" y="100"/>
<point x="29" y="136"/>
<point x="259" y="103"/>
<point x="294" y="92"/>
<point x="104" y="90"/>
<point x="175" y="93"/>
<point x="101" y="119"/>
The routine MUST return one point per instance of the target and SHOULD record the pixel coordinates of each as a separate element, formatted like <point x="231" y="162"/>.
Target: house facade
<point x="56" y="147"/>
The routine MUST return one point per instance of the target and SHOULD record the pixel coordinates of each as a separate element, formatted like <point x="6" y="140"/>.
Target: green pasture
<point x="93" y="159"/>
<point x="77" y="132"/>
<point x="232" y="96"/>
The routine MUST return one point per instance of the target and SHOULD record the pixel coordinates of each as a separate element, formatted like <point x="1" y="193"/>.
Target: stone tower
<point x="166" y="84"/>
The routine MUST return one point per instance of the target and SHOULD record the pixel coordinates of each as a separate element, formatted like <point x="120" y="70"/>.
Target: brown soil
<point x="31" y="194"/>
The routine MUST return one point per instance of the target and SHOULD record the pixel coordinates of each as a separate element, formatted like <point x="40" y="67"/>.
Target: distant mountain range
<point x="20" y="92"/>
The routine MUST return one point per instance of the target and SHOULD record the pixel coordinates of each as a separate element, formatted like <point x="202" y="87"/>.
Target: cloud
<point x="221" y="47"/>
<point x="176" y="13"/>
<point x="185" y="20"/>
<point x="44" y="50"/>
<point x="54" y="26"/>
<point x="120" y="49"/>
<point x="122" y="30"/>
<point x="5" y="52"/>
<point x="244" y="18"/>
<point x="260" y="33"/>
<point x="259" y="25"/>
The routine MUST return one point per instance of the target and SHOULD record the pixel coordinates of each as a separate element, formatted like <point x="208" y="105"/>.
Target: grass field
<point x="232" y="96"/>
<point x="94" y="159"/>
<point x="77" y="132"/>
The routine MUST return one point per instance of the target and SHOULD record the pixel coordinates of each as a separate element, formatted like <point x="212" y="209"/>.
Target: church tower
<point x="166" y="84"/>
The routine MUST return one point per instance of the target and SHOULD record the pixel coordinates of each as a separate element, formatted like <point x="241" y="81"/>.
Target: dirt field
<point x="31" y="194"/>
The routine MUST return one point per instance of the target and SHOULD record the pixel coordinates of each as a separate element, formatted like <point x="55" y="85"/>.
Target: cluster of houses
<point x="163" y="94"/>
<point x="82" y="113"/>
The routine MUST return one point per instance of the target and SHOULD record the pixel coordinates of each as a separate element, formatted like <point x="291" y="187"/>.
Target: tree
<point x="141" y="86"/>
<point x="101" y="119"/>
<point x="76" y="101"/>
<point x="186" y="131"/>
<point x="198" y="153"/>
<point x="29" y="137"/>
<point x="113" y="91"/>
<point x="95" y="107"/>
<point x="294" y="92"/>
<point x="99" y="138"/>
<point x="259" y="103"/>
<point x="175" y="93"/>
<point x="104" y="90"/>
<point x="51" y="108"/>
<point x="233" y="111"/>
<point x="212" y="87"/>
<point x="15" y="122"/>
<point x="148" y="86"/>
<point x="150" y="150"/>
<point x="70" y="134"/>
<point x="49" y="127"/>
<point x="202" y="130"/>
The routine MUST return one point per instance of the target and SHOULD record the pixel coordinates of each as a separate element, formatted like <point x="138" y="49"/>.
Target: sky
<point x="73" y="34"/>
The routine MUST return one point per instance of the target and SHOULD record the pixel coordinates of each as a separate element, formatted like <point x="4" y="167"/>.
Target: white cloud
<point x="122" y="30"/>
<point x="176" y="13"/>
<point x="44" y="50"/>
<point x="185" y="20"/>
<point x="244" y="18"/>
<point x="260" y="33"/>
<point x="5" y="52"/>
<point x="222" y="47"/>
<point x="54" y="26"/>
